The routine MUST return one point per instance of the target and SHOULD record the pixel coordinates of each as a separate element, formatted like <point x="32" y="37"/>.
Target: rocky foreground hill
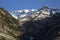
<point x="9" y="29"/>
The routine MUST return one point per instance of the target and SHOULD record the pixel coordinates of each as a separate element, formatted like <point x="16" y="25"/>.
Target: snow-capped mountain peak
<point x="25" y="10"/>
<point x="22" y="13"/>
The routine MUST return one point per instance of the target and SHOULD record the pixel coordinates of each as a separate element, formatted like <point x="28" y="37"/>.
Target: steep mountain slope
<point x="44" y="29"/>
<point x="44" y="25"/>
<point x="8" y="26"/>
<point x="36" y="15"/>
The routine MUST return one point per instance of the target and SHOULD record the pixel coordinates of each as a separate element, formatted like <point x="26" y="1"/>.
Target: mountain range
<point x="26" y="15"/>
<point x="10" y="28"/>
<point x="22" y="13"/>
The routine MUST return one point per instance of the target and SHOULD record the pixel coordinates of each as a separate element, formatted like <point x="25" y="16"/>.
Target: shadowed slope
<point x="46" y="29"/>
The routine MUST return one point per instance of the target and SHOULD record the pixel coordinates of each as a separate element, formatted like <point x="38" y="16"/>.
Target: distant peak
<point x="45" y="7"/>
<point x="25" y="10"/>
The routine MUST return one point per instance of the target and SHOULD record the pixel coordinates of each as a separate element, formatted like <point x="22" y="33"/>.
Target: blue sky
<point x="28" y="4"/>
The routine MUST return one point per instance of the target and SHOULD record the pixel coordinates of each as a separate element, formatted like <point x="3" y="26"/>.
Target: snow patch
<point x="33" y="10"/>
<point x="22" y="15"/>
<point x="26" y="10"/>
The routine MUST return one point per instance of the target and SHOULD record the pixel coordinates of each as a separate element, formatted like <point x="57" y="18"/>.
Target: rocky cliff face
<point x="8" y="26"/>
